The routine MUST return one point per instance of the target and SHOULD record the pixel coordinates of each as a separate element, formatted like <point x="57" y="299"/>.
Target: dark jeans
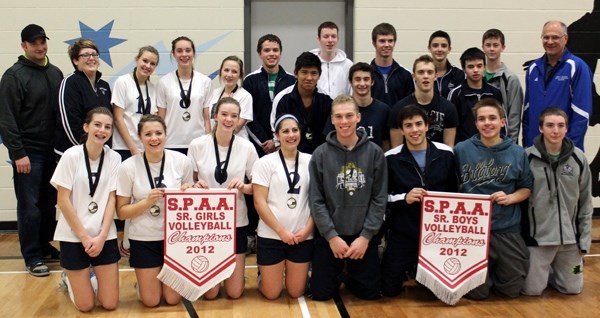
<point x="362" y="277"/>
<point x="36" y="211"/>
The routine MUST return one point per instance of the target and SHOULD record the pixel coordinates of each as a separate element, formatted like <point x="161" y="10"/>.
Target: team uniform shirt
<point x="71" y="173"/>
<point x="245" y="100"/>
<point x="243" y="156"/>
<point x="373" y="120"/>
<point x="268" y="172"/>
<point x="441" y="114"/>
<point x="168" y="96"/>
<point x="125" y="95"/>
<point x="133" y="182"/>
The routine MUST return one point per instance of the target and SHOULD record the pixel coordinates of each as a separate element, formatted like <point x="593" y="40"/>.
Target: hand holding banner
<point x="453" y="250"/>
<point x="199" y="240"/>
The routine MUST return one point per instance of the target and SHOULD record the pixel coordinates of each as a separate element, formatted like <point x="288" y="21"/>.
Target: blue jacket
<point x="503" y="167"/>
<point x="257" y="84"/>
<point x="398" y="84"/>
<point x="404" y="174"/>
<point x="569" y="87"/>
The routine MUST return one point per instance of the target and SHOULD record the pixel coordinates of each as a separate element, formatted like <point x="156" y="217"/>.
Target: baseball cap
<point x="31" y="32"/>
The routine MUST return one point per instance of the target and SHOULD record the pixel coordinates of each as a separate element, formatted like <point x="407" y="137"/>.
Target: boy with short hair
<point x="507" y="82"/>
<point x="417" y="166"/>
<point x="472" y="90"/>
<point x="348" y="194"/>
<point x="448" y="76"/>
<point x="305" y="102"/>
<point x="373" y="113"/>
<point x="264" y="84"/>
<point x="335" y="64"/>
<point x="558" y="224"/>
<point x="392" y="81"/>
<point x="489" y="163"/>
<point x="441" y="114"/>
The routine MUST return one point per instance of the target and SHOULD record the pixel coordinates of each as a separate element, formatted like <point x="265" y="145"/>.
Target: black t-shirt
<point x="373" y="121"/>
<point x="441" y="113"/>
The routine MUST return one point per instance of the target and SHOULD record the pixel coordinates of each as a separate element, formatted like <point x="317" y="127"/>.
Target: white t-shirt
<point x="125" y="95"/>
<point x="243" y="156"/>
<point x="168" y="96"/>
<point x="133" y="182"/>
<point x="245" y="100"/>
<point x="71" y="173"/>
<point x="268" y="172"/>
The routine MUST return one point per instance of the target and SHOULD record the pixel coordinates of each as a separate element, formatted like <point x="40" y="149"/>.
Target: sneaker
<point x="63" y="281"/>
<point x="38" y="269"/>
<point x="54" y="256"/>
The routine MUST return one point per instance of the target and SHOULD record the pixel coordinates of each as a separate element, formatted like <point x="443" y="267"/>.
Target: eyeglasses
<point x="547" y="38"/>
<point x="88" y="55"/>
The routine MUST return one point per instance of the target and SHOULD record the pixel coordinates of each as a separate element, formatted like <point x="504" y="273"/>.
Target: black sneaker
<point x="38" y="269"/>
<point x="54" y="256"/>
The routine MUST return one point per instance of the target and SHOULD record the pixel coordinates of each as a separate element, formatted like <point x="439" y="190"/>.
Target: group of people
<point x="319" y="159"/>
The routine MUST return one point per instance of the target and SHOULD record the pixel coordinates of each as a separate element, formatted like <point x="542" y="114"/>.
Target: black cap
<point x="31" y="32"/>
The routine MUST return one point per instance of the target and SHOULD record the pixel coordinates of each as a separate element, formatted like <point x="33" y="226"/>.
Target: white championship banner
<point x="453" y="249"/>
<point x="199" y="239"/>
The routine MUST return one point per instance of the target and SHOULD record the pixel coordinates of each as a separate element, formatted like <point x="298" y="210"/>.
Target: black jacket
<point x="26" y="113"/>
<point x="398" y="84"/>
<point x="256" y="83"/>
<point x="454" y="76"/>
<point x="76" y="97"/>
<point x="313" y="123"/>
<point x="404" y="174"/>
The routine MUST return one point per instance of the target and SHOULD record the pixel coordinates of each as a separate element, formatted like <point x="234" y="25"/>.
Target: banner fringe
<point x="180" y="284"/>
<point x="442" y="292"/>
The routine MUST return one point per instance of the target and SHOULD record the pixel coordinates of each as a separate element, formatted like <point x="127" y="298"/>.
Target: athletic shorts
<point x="241" y="240"/>
<point x="73" y="255"/>
<point x="270" y="251"/>
<point x="146" y="254"/>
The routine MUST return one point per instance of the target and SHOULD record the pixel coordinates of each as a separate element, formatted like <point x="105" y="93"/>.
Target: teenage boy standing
<point x="448" y="76"/>
<point x="489" y="163"/>
<point x="441" y="114"/>
<point x="392" y="81"/>
<point x="471" y="91"/>
<point x="507" y="82"/>
<point x="334" y="62"/>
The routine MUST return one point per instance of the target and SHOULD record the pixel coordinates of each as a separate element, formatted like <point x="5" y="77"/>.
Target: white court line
<point x="54" y="271"/>
<point x="303" y="307"/>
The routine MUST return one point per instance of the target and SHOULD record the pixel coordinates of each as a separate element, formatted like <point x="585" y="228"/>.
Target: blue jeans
<point x="36" y="211"/>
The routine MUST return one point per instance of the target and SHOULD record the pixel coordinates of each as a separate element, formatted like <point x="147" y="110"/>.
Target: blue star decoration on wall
<point x="101" y="38"/>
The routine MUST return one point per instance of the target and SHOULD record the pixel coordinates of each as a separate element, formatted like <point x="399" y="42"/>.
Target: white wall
<point x="217" y="29"/>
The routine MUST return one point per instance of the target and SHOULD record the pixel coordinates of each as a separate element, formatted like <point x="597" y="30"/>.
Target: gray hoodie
<point x="348" y="188"/>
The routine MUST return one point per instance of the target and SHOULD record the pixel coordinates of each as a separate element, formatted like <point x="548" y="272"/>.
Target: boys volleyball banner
<point x="199" y="240"/>
<point x="453" y="250"/>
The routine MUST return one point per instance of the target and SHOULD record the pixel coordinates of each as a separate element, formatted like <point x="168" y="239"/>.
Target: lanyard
<point x="149" y="173"/>
<point x="186" y="99"/>
<point x="291" y="182"/>
<point x="143" y="108"/>
<point x="88" y="167"/>
<point x="221" y="173"/>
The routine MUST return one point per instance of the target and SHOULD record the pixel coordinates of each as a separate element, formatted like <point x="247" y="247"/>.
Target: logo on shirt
<point x="567" y="170"/>
<point x="350" y="178"/>
<point x="561" y="78"/>
<point x="484" y="172"/>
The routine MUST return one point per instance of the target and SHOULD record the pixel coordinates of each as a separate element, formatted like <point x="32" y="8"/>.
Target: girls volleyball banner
<point x="453" y="250"/>
<point x="199" y="240"/>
